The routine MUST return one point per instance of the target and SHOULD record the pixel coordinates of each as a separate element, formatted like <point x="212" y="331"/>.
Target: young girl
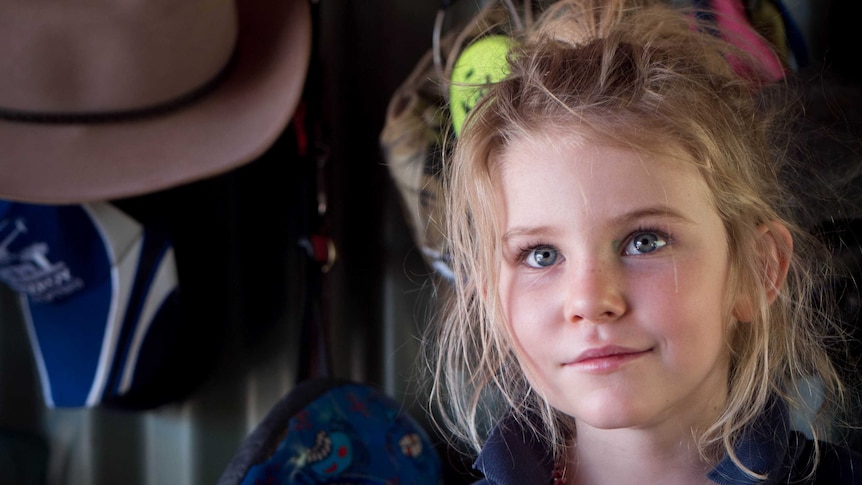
<point x="632" y="303"/>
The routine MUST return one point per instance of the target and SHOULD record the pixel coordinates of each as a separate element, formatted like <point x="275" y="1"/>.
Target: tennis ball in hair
<point x="483" y="62"/>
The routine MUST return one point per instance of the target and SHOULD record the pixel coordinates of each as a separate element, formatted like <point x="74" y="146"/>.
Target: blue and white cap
<point x="94" y="284"/>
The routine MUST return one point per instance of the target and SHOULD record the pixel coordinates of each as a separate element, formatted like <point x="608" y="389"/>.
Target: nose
<point x="594" y="294"/>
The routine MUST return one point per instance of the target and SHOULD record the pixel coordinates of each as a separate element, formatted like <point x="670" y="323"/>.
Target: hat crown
<point x="70" y="56"/>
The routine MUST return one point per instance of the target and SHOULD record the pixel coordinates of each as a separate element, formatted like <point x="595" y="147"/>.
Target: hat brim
<point x="234" y="124"/>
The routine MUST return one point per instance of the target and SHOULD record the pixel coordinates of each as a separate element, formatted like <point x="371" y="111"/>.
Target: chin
<point x="610" y="422"/>
<point x="613" y="414"/>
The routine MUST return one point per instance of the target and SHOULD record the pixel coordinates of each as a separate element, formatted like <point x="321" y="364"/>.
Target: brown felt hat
<point x="102" y="99"/>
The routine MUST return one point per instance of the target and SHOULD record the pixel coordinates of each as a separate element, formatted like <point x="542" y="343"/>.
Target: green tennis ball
<point x="483" y="62"/>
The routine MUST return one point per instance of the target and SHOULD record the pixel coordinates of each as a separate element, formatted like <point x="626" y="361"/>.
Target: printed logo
<point x="29" y="270"/>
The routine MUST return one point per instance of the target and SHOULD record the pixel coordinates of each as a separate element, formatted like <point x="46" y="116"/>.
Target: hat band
<point x="116" y="116"/>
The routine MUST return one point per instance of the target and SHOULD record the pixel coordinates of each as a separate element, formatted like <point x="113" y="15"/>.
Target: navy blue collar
<point x="769" y="448"/>
<point x="514" y="456"/>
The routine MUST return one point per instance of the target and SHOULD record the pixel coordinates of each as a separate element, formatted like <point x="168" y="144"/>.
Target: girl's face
<point x="614" y="280"/>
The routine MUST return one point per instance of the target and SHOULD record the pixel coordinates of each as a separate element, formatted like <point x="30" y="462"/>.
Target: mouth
<point x="606" y="359"/>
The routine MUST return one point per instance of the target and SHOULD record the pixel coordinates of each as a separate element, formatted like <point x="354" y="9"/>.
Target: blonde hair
<point x="641" y="76"/>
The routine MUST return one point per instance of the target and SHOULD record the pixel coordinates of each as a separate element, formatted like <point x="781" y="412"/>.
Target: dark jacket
<point x="513" y="456"/>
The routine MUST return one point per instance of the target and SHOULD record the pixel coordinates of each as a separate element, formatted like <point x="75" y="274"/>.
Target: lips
<point x="606" y="359"/>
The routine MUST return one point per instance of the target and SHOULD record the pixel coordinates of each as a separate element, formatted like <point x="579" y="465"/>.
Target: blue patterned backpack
<point x="334" y="431"/>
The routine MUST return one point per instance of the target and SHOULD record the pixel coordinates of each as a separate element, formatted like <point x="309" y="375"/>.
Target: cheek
<point x="524" y="296"/>
<point x="695" y="313"/>
<point x="528" y="309"/>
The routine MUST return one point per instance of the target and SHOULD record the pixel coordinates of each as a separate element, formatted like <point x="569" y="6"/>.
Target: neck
<point x="665" y="452"/>
<point x="615" y="456"/>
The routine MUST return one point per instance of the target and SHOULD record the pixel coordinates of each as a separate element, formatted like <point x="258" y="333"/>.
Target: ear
<point x="774" y="247"/>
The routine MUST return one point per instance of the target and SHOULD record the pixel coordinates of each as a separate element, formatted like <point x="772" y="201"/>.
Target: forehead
<point x="656" y="154"/>
<point x="556" y="170"/>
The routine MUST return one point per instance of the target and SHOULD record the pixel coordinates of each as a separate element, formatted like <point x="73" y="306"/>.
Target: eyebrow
<point x="545" y="231"/>
<point x="659" y="211"/>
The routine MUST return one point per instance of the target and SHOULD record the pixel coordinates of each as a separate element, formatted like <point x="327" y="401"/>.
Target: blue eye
<point x="644" y="243"/>
<point x="541" y="257"/>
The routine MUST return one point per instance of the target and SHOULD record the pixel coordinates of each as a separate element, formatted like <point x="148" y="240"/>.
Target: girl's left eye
<point x="644" y="243"/>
